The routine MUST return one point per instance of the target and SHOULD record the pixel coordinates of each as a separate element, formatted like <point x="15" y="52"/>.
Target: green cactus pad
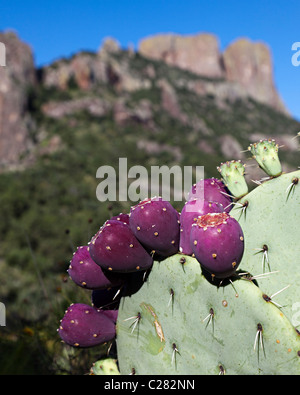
<point x="232" y="174"/>
<point x="269" y="217"/>
<point x="265" y="152"/>
<point x="180" y="323"/>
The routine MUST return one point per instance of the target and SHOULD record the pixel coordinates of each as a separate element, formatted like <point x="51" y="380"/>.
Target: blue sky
<point x="57" y="29"/>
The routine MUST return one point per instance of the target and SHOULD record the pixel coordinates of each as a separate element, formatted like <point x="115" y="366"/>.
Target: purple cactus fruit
<point x="213" y="190"/>
<point x="156" y="224"/>
<point x="111" y="314"/>
<point x="189" y="214"/>
<point x="218" y="243"/>
<point x="87" y="274"/>
<point x="115" y="248"/>
<point x="85" y="326"/>
<point x="121" y="217"/>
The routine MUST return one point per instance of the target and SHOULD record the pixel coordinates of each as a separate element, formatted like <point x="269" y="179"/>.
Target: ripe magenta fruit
<point x="218" y="243"/>
<point x="115" y="248"/>
<point x="155" y="223"/>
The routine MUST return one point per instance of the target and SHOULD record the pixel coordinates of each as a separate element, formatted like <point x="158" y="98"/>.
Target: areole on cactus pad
<point x="222" y="292"/>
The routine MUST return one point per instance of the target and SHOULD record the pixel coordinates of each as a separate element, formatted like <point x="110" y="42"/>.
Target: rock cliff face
<point x="15" y="79"/>
<point x="199" y="54"/>
<point x="245" y="62"/>
<point x="250" y="64"/>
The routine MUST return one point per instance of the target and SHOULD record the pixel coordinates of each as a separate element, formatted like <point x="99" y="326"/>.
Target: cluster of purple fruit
<point x="116" y="259"/>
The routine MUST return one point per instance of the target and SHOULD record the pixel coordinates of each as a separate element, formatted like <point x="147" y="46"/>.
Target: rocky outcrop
<point x="169" y="101"/>
<point x="154" y="148"/>
<point x="141" y="113"/>
<point x="15" y="79"/>
<point x="83" y="69"/>
<point x="250" y="64"/>
<point x="247" y="63"/>
<point x="93" y="105"/>
<point x="230" y="147"/>
<point x="197" y="53"/>
<point x="87" y="70"/>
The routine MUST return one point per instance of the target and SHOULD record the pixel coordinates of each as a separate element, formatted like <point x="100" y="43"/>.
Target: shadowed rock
<point x="15" y="79"/>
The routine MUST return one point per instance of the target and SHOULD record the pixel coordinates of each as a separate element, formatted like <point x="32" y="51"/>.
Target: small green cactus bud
<point x="265" y="152"/>
<point x="233" y="177"/>
<point x="106" y="366"/>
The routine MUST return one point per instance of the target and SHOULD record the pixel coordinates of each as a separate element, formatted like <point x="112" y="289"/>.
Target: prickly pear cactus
<point x="181" y="323"/>
<point x="211" y="290"/>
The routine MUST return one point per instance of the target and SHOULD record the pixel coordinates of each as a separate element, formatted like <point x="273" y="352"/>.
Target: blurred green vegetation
<point x="50" y="208"/>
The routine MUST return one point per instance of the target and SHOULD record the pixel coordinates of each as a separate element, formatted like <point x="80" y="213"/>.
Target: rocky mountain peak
<point x="250" y="64"/>
<point x="243" y="61"/>
<point x="197" y="53"/>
